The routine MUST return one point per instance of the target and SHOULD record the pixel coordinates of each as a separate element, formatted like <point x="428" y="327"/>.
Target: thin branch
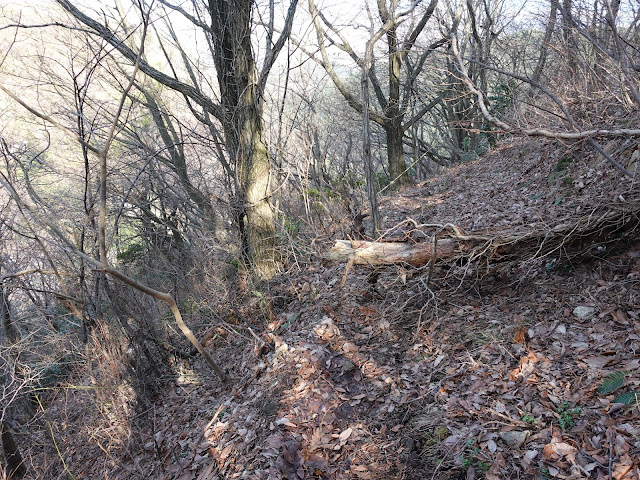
<point x="53" y="122"/>
<point x="541" y="132"/>
<point x="173" y="83"/>
<point x="273" y="52"/>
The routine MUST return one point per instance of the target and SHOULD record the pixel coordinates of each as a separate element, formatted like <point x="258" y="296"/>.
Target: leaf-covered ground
<point x="467" y="376"/>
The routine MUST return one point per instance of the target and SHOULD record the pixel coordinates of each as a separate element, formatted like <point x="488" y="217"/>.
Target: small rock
<point x="561" y="329"/>
<point x="514" y="438"/>
<point x="584" y="313"/>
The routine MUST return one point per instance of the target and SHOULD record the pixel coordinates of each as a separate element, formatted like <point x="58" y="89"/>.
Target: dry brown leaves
<point x="401" y="381"/>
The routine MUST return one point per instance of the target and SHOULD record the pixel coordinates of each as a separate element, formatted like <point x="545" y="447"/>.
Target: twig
<point x="610" y="455"/>
<point x="589" y="457"/>
<point x="346" y="272"/>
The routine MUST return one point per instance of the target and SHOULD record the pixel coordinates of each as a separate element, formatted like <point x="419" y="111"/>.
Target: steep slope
<point x="467" y="376"/>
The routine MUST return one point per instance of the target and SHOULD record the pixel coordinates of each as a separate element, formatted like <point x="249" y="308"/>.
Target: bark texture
<point x="362" y="252"/>
<point x="240" y="94"/>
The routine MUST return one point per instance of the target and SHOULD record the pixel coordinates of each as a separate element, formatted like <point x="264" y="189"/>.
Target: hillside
<point x="482" y="373"/>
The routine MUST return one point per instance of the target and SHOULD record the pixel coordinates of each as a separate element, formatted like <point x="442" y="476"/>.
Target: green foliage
<point x="613" y="382"/>
<point x="471" y="456"/>
<point x="381" y="179"/>
<point x="350" y="179"/>
<point x="231" y="268"/>
<point x="466" y="143"/>
<point x="52" y="374"/>
<point x="263" y="304"/>
<point x="628" y="398"/>
<point x="330" y="193"/>
<point x="292" y="226"/>
<point x="560" y="169"/>
<point x="502" y="96"/>
<point x="563" y="164"/>
<point x="567" y="415"/>
<point x="435" y="436"/>
<point x="313" y="193"/>
<point x="130" y="253"/>
<point x="473" y="149"/>
<point x="528" y="418"/>
<point x="189" y="306"/>
<point x="288" y="323"/>
<point x="234" y="263"/>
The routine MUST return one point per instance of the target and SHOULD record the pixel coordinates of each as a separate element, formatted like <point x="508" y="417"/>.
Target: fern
<point x="628" y="398"/>
<point x="613" y="381"/>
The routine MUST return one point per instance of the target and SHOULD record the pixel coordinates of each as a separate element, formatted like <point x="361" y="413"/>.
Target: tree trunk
<point x="258" y="234"/>
<point x="372" y="193"/>
<point x="242" y="106"/>
<point x="393" y="123"/>
<point x="568" y="35"/>
<point x="544" y="46"/>
<point x="10" y="329"/>
<point x="395" y="153"/>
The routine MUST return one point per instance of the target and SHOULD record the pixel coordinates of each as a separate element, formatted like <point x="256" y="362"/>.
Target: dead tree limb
<point x="506" y="249"/>
<point x="361" y="252"/>
<point x="541" y="132"/>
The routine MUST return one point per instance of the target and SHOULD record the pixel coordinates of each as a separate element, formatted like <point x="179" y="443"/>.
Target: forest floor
<point x="476" y="374"/>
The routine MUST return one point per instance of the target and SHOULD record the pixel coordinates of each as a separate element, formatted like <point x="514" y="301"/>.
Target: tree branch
<point x="170" y="82"/>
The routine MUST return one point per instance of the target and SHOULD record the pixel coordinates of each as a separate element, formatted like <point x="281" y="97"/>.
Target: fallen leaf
<point x="349" y="347"/>
<point x="285" y="421"/>
<point x="345" y="435"/>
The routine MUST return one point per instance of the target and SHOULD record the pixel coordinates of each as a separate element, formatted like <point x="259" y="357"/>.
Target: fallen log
<point x="599" y="229"/>
<point x="361" y="252"/>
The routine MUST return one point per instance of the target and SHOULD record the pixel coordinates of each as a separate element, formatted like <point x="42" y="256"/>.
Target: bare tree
<point x="401" y="77"/>
<point x="566" y="123"/>
<point x="227" y="27"/>
<point x="30" y="208"/>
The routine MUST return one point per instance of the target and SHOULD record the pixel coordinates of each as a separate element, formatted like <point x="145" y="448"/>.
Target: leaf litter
<point x="494" y="377"/>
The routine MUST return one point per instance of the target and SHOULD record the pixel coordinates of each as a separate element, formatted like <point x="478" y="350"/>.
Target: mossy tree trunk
<point x="242" y="105"/>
